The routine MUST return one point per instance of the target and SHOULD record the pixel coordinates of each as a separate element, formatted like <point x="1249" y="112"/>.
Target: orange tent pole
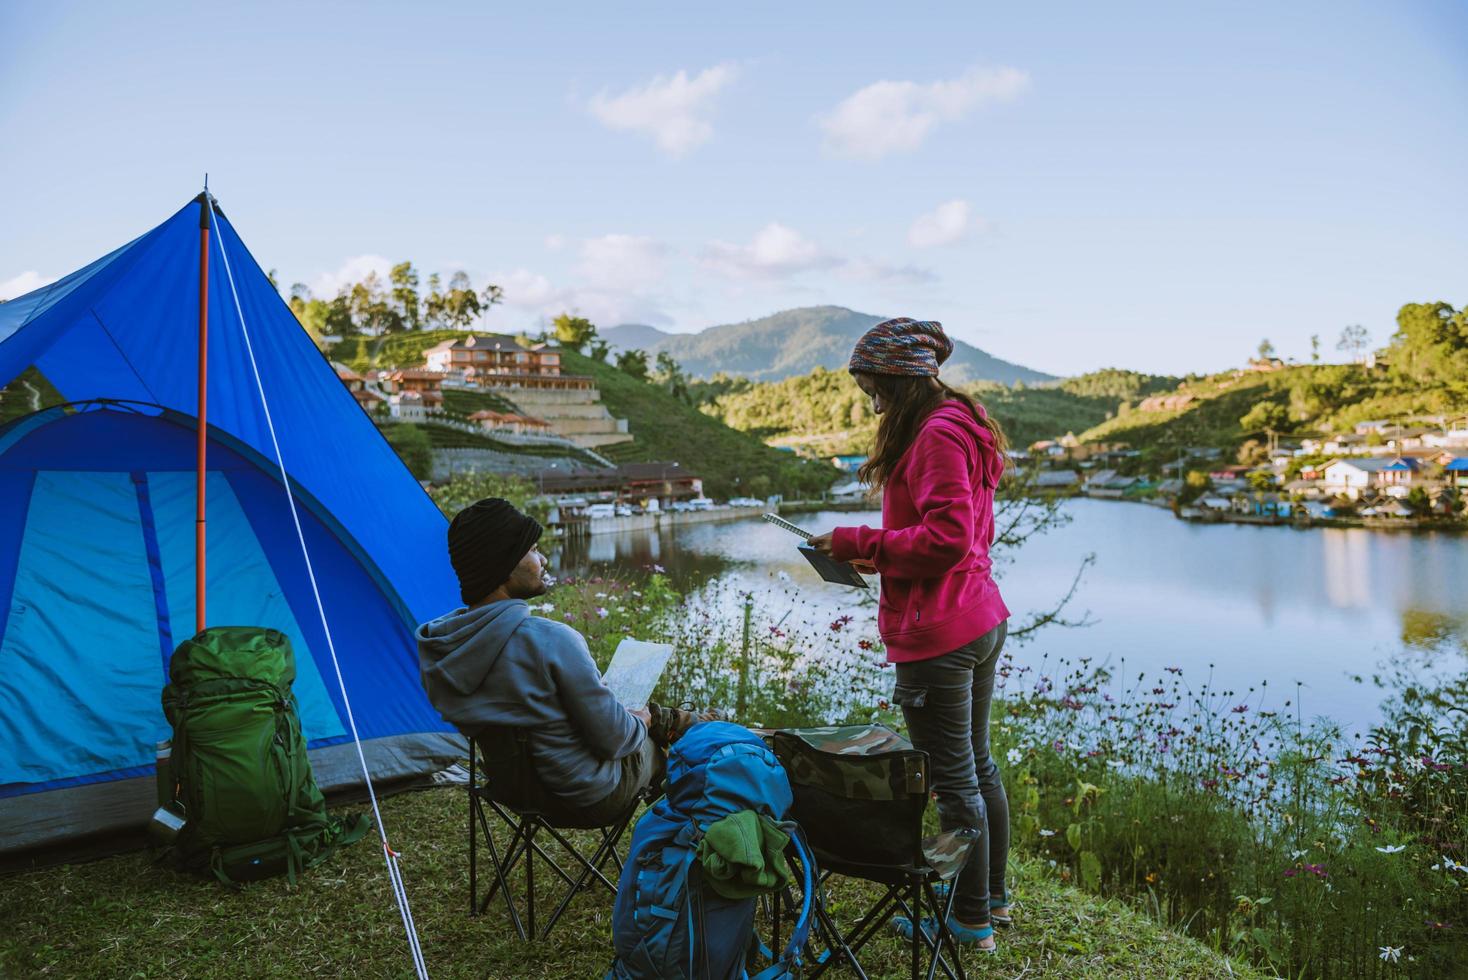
<point x="200" y="535"/>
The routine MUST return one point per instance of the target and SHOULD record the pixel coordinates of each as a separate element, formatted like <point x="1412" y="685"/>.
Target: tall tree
<point x="433" y="304"/>
<point x="1315" y="348"/>
<point x="574" y="331"/>
<point x="461" y="302"/>
<point x="1354" y="340"/>
<point x="633" y="362"/>
<point x="404" y="279"/>
<point x="1266" y="350"/>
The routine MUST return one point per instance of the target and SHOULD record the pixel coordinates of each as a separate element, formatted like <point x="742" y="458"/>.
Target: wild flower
<point x="864" y="644"/>
<point x="602" y="612"/>
<point x="1391" y="953"/>
<point x="1014" y="756"/>
<point x="1392" y="848"/>
<point x="1047" y="833"/>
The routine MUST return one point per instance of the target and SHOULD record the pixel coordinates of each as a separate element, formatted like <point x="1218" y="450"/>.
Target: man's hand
<point x="645" y="716"/>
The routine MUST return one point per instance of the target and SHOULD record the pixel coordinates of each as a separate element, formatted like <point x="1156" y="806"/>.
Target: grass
<point x="664" y="428"/>
<point x="127" y="917"/>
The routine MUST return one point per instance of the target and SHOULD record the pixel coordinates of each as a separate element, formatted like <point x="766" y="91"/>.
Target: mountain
<point x="794" y="342"/>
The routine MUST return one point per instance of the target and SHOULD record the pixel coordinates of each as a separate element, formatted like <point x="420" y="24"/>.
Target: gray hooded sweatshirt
<point x="499" y="665"/>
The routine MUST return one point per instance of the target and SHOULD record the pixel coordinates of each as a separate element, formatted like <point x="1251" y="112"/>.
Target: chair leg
<point x="917" y="927"/>
<point x="530" y="881"/>
<point x="502" y="869"/>
<point x="610" y="836"/>
<point x="473" y="851"/>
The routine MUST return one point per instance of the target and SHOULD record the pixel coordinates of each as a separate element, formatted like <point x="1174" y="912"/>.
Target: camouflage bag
<point x="859" y="791"/>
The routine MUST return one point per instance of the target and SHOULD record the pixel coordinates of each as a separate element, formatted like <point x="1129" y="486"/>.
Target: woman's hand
<point x="822" y="543"/>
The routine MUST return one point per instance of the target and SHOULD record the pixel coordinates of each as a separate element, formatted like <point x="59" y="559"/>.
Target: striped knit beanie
<point x="487" y="539"/>
<point x="902" y="346"/>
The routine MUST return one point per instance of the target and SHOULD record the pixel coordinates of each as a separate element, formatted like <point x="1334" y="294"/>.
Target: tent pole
<point x="199" y="515"/>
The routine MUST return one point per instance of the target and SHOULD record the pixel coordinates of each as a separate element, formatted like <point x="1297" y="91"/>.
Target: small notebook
<point x="635" y="670"/>
<point x="832" y="570"/>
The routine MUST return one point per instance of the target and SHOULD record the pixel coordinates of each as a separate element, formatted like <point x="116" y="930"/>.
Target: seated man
<point x="493" y="663"/>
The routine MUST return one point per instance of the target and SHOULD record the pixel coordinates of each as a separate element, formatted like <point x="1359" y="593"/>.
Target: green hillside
<point x="731" y="463"/>
<point x="825" y="412"/>
<point x="794" y="342"/>
<point x="397" y="350"/>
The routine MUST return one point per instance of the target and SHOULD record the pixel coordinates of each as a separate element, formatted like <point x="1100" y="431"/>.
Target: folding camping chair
<point x="860" y="793"/>
<point x="510" y="790"/>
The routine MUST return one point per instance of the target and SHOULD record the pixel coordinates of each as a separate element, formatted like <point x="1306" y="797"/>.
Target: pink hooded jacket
<point x="933" y="548"/>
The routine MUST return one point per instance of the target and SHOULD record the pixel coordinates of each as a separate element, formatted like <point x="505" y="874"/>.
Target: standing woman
<point x="938" y="458"/>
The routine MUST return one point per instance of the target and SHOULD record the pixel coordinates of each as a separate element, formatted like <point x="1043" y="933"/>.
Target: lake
<point x="1251" y="604"/>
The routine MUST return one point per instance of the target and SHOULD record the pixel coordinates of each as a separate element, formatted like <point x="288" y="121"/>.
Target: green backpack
<point x="238" y="772"/>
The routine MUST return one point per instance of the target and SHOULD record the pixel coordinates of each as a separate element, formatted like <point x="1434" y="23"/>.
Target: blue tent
<point x="96" y="535"/>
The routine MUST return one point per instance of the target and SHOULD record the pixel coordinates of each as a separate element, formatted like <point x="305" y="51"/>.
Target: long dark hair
<point x="908" y="401"/>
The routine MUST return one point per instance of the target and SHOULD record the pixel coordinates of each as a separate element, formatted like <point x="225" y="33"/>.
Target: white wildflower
<point x="1116" y="763"/>
<point x="1391" y="953"/>
<point x="601" y="595"/>
<point x="1392" y="848"/>
<point x="783" y="576"/>
<point x="1296" y="855"/>
<point x="1452" y="865"/>
<point x="1014" y="756"/>
<point x="1047" y="833"/>
<point x="601" y="612"/>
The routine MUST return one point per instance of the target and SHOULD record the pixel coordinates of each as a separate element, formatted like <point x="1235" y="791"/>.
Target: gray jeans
<point x="945" y="702"/>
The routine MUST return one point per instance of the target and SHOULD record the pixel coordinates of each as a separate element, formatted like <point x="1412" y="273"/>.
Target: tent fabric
<point x="96" y="532"/>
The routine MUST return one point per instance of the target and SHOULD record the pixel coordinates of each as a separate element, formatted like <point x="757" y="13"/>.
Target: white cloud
<point x="891" y="117"/>
<point x="776" y="252"/>
<point x="353" y="270"/>
<point x="555" y="243"/>
<point x="674" y="110"/>
<point x="622" y="261"/>
<point x="26" y="282"/>
<point x="944" y="225"/>
<point x="870" y="270"/>
<point x="530" y="296"/>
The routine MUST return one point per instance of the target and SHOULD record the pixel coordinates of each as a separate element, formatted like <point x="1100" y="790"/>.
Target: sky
<point x="1157" y="186"/>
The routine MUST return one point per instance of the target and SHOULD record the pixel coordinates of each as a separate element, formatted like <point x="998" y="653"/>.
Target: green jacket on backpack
<point x="239" y="768"/>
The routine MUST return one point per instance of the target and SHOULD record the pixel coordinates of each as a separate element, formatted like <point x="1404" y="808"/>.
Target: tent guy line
<point x="390" y="856"/>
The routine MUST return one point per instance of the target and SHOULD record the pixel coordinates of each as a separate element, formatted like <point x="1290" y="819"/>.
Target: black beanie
<point x="487" y="539"/>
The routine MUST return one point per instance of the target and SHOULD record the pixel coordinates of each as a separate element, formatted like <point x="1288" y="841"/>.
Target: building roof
<point x="1458" y="465"/>
<point x="488" y="341"/>
<point x="1375" y="464"/>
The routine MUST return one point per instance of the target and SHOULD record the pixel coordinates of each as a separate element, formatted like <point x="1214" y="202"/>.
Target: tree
<point x="1266" y="350"/>
<point x="461" y="303"/>
<point x="1261" y="481"/>
<point x="1252" y="453"/>
<point x="433" y="304"/>
<point x="573" y="331"/>
<point x="1315" y="348"/>
<point x="1354" y="340"/>
<point x="1431" y="343"/>
<point x="370" y="308"/>
<point x="1268" y="417"/>
<point x="404" y="279"/>
<point x="599" y="350"/>
<point x="669" y="374"/>
<point x="633" y="362"/>
<point x="1418" y="500"/>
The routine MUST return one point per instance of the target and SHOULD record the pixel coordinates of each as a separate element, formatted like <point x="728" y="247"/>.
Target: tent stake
<point x="199" y="515"/>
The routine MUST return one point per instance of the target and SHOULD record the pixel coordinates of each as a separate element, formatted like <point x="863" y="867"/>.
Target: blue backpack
<point x="668" y="925"/>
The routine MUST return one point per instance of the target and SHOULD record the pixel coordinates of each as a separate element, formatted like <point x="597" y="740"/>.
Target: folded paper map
<point x="635" y="670"/>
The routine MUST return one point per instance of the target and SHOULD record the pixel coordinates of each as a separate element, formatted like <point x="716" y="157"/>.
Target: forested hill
<point x="824" y="412"/>
<point x="795" y="342"/>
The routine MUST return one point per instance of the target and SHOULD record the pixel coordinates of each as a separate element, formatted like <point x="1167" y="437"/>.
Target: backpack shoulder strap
<point x="789" y="961"/>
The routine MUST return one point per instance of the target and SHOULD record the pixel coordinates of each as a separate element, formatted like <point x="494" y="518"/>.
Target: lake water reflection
<point x="1257" y="603"/>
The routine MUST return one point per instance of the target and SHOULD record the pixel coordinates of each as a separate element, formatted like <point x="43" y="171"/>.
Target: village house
<point x="426" y="385"/>
<point x="511" y="422"/>
<point x="493" y="354"/>
<point x="1456" y="472"/>
<point x="369" y="398"/>
<point x="848" y="464"/>
<point x="1353" y="477"/>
